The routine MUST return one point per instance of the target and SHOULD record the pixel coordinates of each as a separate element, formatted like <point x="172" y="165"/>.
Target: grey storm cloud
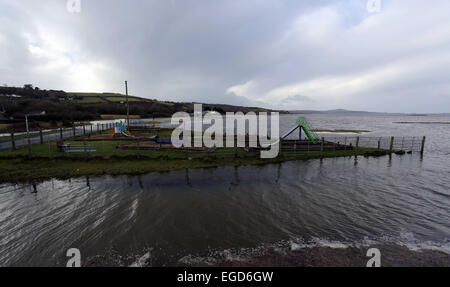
<point x="276" y="54"/>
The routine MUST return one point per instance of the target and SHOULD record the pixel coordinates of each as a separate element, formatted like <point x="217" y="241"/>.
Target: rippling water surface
<point x="405" y="199"/>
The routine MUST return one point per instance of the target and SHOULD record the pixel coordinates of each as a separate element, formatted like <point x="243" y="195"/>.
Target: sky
<point x="388" y="56"/>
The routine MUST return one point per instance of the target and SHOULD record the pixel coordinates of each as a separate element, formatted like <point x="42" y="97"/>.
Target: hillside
<point x="63" y="108"/>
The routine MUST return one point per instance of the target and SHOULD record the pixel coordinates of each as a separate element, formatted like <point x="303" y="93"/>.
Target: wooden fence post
<point x="49" y="149"/>
<point x="13" y="142"/>
<point x="61" y="133"/>
<point x="391" y="147"/>
<point x="91" y="128"/>
<point x="41" y="136"/>
<point x="84" y="130"/>
<point x="138" y="147"/>
<point x="74" y="131"/>
<point x="423" y="145"/>
<point x="85" y="148"/>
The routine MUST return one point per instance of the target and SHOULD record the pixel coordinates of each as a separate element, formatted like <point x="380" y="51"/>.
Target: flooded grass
<point x="21" y="168"/>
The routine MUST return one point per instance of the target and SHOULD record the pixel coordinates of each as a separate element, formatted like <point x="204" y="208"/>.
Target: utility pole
<point x="128" y="107"/>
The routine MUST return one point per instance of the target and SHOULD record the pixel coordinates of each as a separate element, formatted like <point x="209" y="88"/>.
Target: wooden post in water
<point x="41" y="137"/>
<point x="91" y="128"/>
<point x="84" y="130"/>
<point x="60" y="133"/>
<point x="391" y="147"/>
<point x="13" y="142"/>
<point x="74" y="131"/>
<point x="321" y="147"/>
<point x="423" y="145"/>
<point x="379" y="143"/>
<point x="356" y="147"/>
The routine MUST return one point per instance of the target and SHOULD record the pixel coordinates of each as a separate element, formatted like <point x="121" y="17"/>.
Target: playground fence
<point x="408" y="144"/>
<point x="44" y="144"/>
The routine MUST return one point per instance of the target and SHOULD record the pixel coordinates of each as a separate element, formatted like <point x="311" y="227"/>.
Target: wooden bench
<point x="69" y="148"/>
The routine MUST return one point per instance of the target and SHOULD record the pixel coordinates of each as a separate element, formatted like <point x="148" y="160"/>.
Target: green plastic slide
<point x="303" y="122"/>
<point x="308" y="134"/>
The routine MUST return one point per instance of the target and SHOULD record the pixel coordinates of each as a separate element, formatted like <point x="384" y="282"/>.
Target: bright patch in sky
<point x="276" y="54"/>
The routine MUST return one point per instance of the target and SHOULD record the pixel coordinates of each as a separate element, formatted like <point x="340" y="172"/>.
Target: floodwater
<point x="176" y="216"/>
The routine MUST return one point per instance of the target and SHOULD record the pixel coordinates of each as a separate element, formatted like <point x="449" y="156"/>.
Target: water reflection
<point x="188" y="181"/>
<point x="141" y="185"/>
<point x="236" y="175"/>
<point x="88" y="183"/>
<point x="34" y="188"/>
